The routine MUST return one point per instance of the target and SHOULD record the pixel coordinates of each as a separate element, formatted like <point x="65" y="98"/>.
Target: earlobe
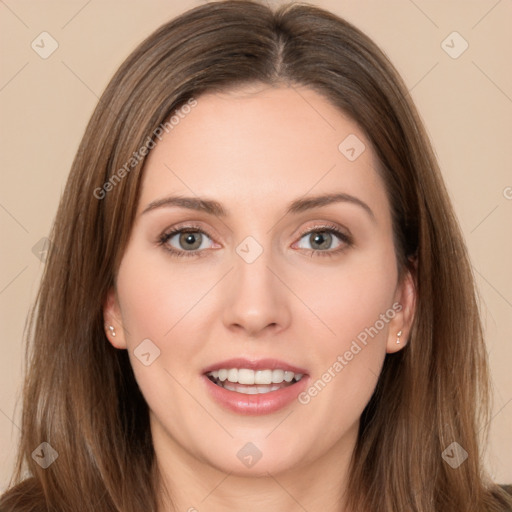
<point x="401" y="325"/>
<point x="112" y="321"/>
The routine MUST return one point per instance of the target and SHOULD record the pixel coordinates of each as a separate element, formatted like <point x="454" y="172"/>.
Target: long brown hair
<point x="80" y="395"/>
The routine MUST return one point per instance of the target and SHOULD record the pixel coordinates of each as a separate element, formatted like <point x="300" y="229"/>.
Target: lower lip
<point x="255" y="405"/>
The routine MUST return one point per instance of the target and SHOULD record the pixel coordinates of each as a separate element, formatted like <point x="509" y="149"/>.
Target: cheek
<point x="347" y="364"/>
<point x="164" y="307"/>
<point x="355" y="303"/>
<point x="155" y="297"/>
<point x="351" y="297"/>
<point x="170" y="306"/>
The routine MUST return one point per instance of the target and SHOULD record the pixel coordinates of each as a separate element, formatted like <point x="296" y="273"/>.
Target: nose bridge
<point x="252" y="266"/>
<point x="256" y="296"/>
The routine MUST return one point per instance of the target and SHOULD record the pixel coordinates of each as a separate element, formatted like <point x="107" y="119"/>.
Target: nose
<point x="256" y="300"/>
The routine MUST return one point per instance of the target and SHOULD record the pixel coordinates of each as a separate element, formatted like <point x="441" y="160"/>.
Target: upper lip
<point x="255" y="364"/>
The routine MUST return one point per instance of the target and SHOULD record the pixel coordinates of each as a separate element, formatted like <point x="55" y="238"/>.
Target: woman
<point x="192" y="352"/>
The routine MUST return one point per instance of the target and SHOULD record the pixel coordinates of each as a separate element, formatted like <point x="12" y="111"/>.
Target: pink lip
<point x="264" y="403"/>
<point x="260" y="364"/>
<point x="255" y="405"/>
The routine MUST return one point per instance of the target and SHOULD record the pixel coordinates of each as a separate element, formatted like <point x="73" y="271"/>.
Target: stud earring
<point x="398" y="334"/>
<point x="112" y="330"/>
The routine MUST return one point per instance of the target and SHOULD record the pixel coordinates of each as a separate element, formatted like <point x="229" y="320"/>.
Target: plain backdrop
<point x="465" y="102"/>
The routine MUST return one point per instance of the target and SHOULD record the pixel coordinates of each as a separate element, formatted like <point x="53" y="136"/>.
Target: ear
<point x="113" y="320"/>
<point x="405" y="307"/>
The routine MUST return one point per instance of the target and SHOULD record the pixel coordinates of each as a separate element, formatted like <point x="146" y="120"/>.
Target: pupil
<point x="322" y="239"/>
<point x="191" y="240"/>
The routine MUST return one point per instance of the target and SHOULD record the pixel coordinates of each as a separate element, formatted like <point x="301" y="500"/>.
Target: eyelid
<point x="325" y="226"/>
<point x="187" y="226"/>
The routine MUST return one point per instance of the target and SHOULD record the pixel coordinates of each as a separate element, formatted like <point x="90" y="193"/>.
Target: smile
<point x="252" y="382"/>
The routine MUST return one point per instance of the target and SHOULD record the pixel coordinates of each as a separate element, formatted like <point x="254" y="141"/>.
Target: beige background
<point x="465" y="102"/>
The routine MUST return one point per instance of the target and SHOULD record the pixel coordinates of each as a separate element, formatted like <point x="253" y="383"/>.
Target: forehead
<point x="259" y="146"/>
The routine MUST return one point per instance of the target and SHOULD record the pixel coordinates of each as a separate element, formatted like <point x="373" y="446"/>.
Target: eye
<point x="185" y="241"/>
<point x="192" y="240"/>
<point x="324" y="240"/>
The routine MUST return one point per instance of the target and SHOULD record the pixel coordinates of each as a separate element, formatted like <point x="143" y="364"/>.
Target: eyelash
<point x="327" y="228"/>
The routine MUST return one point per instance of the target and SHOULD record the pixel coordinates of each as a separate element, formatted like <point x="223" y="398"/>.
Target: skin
<point x="255" y="149"/>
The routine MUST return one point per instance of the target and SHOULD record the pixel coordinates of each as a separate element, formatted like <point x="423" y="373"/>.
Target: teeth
<point x="288" y="376"/>
<point x="250" y="377"/>
<point x="262" y="376"/>
<point x="254" y="390"/>
<point x="246" y="376"/>
<point x="277" y="376"/>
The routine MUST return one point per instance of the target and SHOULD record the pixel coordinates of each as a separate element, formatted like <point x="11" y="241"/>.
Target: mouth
<point x="252" y="387"/>
<point x="253" y="382"/>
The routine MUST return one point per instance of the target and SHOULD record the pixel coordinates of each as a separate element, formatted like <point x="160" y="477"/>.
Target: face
<point x="257" y="321"/>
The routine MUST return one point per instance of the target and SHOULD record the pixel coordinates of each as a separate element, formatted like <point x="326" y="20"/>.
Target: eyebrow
<point x="297" y="206"/>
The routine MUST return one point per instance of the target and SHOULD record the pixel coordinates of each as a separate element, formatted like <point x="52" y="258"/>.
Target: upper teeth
<point x="246" y="376"/>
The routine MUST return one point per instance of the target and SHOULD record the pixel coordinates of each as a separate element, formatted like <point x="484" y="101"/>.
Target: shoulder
<point x="504" y="496"/>
<point x="26" y="496"/>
